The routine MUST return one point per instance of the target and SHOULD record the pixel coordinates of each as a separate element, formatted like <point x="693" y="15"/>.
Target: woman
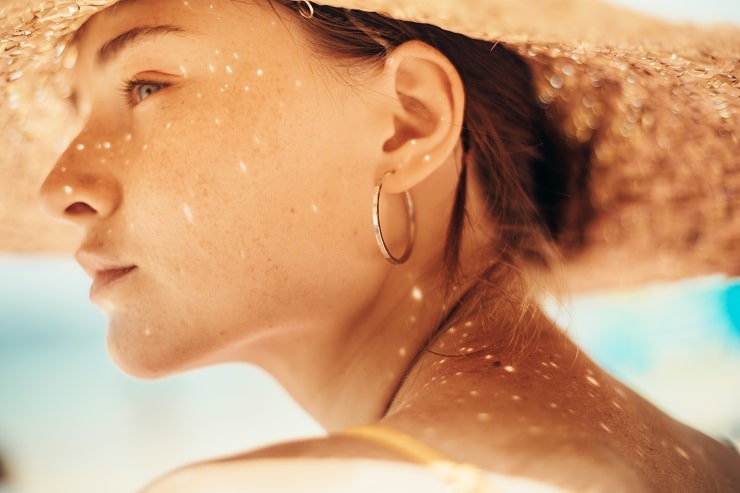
<point x="228" y="158"/>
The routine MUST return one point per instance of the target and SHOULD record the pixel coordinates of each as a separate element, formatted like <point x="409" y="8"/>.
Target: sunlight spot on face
<point x="452" y="330"/>
<point x="516" y="398"/>
<point x="168" y="125"/>
<point x="243" y="166"/>
<point x="412" y="319"/>
<point x="260" y="72"/>
<point x="147" y="332"/>
<point x="427" y="158"/>
<point x="68" y="190"/>
<point x="235" y="55"/>
<point x="553" y="405"/>
<point x="489" y="357"/>
<point x="80" y="147"/>
<point x="200" y="95"/>
<point x="442" y="361"/>
<point x="553" y="364"/>
<point x="417" y="294"/>
<point x="229" y="69"/>
<point x="484" y="417"/>
<point x="127" y="137"/>
<point x="182" y="70"/>
<point x="458" y="374"/>
<point x="474" y="393"/>
<point x="469" y="350"/>
<point x="468" y="324"/>
<point x="509" y="369"/>
<point x="246" y="88"/>
<point x="682" y="452"/>
<point x="593" y="381"/>
<point x="315" y="208"/>
<point x="145" y="147"/>
<point x="63" y="169"/>
<point x="402" y="352"/>
<point x="605" y="427"/>
<point x="616" y="404"/>
<point x="188" y="213"/>
<point x="211" y="68"/>
<point x="217" y="121"/>
<point x="298" y="83"/>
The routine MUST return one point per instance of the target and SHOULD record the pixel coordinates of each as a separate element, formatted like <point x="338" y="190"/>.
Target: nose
<point x="80" y="188"/>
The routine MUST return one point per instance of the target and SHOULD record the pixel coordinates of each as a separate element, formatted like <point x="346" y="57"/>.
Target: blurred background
<point x="71" y="422"/>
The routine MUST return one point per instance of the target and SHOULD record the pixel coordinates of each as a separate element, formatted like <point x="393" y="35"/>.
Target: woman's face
<point x="213" y="183"/>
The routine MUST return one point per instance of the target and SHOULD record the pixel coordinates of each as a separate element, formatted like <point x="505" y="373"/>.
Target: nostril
<point x="79" y="208"/>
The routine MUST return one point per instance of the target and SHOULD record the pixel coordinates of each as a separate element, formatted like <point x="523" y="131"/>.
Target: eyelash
<point x="130" y="87"/>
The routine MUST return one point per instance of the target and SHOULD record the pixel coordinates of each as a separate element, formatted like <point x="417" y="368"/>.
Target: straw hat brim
<point x="32" y="114"/>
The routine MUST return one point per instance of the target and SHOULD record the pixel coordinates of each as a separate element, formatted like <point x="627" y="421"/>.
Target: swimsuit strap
<point x="462" y="478"/>
<point x="398" y="441"/>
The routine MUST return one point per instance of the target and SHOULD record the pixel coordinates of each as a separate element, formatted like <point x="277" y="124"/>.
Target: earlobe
<point x="428" y="115"/>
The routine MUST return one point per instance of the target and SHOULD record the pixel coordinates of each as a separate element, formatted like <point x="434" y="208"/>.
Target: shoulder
<point x="334" y="475"/>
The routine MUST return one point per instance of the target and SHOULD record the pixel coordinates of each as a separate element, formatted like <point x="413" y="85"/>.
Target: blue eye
<point x="137" y="91"/>
<point x="146" y="89"/>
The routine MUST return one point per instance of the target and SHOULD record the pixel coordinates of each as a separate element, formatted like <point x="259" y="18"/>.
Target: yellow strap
<point x="397" y="441"/>
<point x="462" y="478"/>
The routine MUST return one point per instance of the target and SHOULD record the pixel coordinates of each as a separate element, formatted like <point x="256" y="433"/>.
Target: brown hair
<point x="506" y="137"/>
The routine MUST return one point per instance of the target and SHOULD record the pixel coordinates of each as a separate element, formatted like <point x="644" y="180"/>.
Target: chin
<point x="140" y="357"/>
<point x="138" y="367"/>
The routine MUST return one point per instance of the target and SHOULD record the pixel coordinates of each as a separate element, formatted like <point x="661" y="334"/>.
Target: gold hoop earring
<point x="305" y="8"/>
<point x="379" y="233"/>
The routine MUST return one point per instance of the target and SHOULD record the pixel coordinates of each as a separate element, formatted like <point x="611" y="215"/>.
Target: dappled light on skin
<point x="416" y="294"/>
<point x="188" y="213"/>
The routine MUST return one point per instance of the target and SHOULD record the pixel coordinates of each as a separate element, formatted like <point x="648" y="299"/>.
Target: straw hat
<point x="653" y="107"/>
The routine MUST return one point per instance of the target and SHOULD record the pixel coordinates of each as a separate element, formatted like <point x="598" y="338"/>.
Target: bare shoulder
<point x="330" y="475"/>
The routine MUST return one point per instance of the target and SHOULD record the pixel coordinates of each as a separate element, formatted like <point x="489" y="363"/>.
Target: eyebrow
<point x="114" y="46"/>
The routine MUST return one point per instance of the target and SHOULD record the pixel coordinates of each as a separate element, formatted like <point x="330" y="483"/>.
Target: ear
<point x="427" y="117"/>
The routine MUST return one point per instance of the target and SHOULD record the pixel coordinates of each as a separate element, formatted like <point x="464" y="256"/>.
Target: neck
<point x="347" y="371"/>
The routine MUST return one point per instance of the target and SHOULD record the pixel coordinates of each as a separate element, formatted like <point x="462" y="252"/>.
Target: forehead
<point x="213" y="17"/>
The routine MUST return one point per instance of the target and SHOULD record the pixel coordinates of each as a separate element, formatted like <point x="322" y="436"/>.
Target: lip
<point x="102" y="269"/>
<point x="104" y="278"/>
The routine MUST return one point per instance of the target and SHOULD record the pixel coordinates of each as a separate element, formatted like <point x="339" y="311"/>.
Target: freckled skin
<point x="241" y="191"/>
